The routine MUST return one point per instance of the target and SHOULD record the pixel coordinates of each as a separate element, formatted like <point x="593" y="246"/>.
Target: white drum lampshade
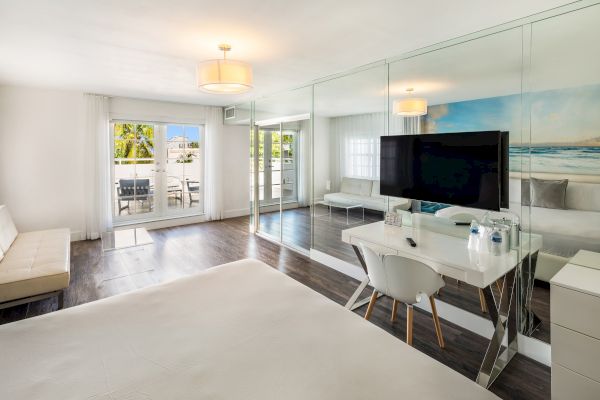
<point x="410" y="107"/>
<point x="224" y="76"/>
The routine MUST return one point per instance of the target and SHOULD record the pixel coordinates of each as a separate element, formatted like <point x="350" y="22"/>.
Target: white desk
<point x="443" y="246"/>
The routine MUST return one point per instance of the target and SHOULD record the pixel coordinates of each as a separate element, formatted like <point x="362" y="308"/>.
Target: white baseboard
<point x="165" y="223"/>
<point x="529" y="347"/>
<point x="535" y="349"/>
<point x="77" y="236"/>
<point x="344" y="267"/>
<point x="240" y="212"/>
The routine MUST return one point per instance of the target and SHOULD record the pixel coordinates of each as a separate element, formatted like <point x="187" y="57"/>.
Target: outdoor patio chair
<point x="133" y="190"/>
<point x="193" y="188"/>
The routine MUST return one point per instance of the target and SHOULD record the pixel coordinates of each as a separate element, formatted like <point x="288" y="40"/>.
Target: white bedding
<point x="239" y="331"/>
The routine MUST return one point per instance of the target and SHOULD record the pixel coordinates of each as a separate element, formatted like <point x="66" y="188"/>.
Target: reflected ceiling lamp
<point x="410" y="106"/>
<point x="224" y="76"/>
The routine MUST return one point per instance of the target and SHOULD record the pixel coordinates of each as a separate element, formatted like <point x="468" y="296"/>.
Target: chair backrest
<point x="401" y="278"/>
<point x="137" y="187"/>
<point x="193" y="186"/>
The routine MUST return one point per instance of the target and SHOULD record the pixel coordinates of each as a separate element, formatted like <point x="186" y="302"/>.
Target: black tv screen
<point x="469" y="169"/>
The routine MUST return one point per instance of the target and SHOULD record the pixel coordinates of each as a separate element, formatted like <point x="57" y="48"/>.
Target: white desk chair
<point x="404" y="280"/>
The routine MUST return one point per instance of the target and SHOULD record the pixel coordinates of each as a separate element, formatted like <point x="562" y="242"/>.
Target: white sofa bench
<point x="33" y="265"/>
<point x="366" y="193"/>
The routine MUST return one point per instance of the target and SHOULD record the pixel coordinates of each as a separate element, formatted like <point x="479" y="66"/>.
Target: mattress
<point x="238" y="331"/>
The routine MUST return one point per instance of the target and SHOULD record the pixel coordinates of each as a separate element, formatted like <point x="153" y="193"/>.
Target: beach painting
<point x="565" y="128"/>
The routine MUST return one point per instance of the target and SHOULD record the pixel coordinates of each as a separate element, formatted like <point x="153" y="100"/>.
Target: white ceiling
<point x="149" y="49"/>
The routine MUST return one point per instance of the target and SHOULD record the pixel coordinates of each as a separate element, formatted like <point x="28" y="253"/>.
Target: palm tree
<point x="134" y="138"/>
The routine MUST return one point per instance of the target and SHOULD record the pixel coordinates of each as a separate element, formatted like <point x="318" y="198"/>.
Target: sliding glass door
<point x="157" y="170"/>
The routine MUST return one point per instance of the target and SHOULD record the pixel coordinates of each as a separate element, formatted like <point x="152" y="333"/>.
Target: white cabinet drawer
<point x="570" y="385"/>
<point x="577" y="352"/>
<point x="575" y="310"/>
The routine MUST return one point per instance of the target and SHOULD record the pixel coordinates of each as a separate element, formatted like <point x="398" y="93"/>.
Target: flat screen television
<point x="468" y="169"/>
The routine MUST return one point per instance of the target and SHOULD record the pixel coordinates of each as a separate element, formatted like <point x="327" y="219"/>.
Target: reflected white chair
<point x="404" y="280"/>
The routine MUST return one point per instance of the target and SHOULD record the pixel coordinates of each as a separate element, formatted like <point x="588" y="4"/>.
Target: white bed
<point x="239" y="331"/>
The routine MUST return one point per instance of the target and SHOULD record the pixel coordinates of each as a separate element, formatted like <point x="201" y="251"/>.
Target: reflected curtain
<point x="98" y="218"/>
<point x="215" y="163"/>
<point x="355" y="146"/>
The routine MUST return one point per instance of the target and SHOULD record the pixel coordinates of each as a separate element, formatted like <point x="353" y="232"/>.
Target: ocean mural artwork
<point x="565" y="128"/>
<point x="583" y="160"/>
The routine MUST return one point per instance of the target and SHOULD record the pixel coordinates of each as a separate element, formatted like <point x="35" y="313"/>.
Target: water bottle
<point x="474" y="236"/>
<point x="496" y="242"/>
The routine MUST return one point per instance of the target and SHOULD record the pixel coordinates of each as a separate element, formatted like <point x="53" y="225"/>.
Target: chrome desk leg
<point x="360" y="257"/>
<point x="529" y="320"/>
<point x="503" y="314"/>
<point x="352" y="303"/>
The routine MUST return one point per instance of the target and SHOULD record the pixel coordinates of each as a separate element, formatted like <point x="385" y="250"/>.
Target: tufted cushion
<point x="361" y="187"/>
<point x="37" y="262"/>
<point x="8" y="231"/>
<point x="1" y="254"/>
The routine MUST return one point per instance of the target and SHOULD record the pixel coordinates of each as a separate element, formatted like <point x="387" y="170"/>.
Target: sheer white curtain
<point x="97" y="185"/>
<point x="214" y="163"/>
<point x="356" y="144"/>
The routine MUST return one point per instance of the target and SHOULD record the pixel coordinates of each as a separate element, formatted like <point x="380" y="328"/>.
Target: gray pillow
<point x="548" y="194"/>
<point x="525" y="192"/>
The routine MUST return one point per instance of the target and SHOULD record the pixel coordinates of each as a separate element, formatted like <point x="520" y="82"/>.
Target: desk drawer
<point x="377" y="248"/>
<point x="575" y="310"/>
<point x="578" y="352"/>
<point x="570" y="385"/>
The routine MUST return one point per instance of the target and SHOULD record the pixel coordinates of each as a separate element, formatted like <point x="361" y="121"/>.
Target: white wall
<point x="42" y="150"/>
<point x="41" y="157"/>
<point x="236" y="170"/>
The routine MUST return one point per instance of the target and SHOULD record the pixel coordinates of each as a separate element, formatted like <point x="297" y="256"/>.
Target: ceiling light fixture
<point x="224" y="76"/>
<point x="411" y="106"/>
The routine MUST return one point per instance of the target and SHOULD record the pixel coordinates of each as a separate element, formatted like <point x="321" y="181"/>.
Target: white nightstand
<point x="575" y="328"/>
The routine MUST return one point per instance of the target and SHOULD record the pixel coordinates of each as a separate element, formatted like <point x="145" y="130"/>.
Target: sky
<point x="191" y="132"/>
<point x="557" y="116"/>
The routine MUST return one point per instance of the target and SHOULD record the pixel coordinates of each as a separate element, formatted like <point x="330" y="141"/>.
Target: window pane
<point x="124" y="131"/>
<point x="192" y="134"/>
<point x="124" y="151"/>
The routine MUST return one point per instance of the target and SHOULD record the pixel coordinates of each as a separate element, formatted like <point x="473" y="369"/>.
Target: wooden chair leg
<point x="394" y="309"/>
<point x="436" y="322"/>
<point x="371" y="304"/>
<point x="409" y="324"/>
<point x="484" y="308"/>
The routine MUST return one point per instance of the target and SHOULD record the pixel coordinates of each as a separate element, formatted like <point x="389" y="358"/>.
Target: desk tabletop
<point x="442" y="246"/>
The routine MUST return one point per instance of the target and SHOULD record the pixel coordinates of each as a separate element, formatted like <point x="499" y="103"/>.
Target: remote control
<point x="411" y="242"/>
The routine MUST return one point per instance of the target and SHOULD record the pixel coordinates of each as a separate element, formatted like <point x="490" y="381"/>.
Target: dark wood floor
<point x="328" y="239"/>
<point x="189" y="249"/>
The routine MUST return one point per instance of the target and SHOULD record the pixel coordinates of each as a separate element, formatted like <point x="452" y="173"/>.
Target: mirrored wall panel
<point x="564" y="188"/>
<point x="470" y="87"/>
<point x="349" y="119"/>
<point x="282" y="125"/>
